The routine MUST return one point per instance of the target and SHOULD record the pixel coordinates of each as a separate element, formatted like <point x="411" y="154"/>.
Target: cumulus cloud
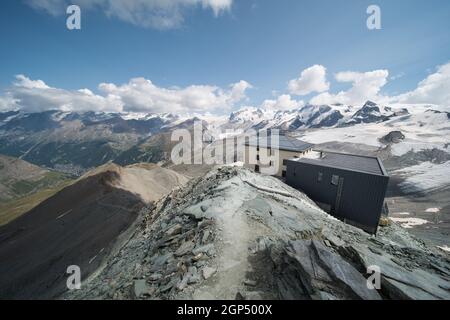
<point x="159" y="14"/>
<point x="365" y="86"/>
<point x="312" y="79"/>
<point x="25" y="82"/>
<point x="435" y="89"/>
<point x="283" y="102"/>
<point x="35" y="95"/>
<point x="141" y="95"/>
<point x="138" y="95"/>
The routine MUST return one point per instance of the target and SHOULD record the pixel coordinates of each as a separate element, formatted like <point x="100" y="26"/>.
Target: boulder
<point x="393" y="137"/>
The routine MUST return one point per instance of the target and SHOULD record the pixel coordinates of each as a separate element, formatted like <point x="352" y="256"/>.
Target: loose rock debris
<point x="234" y="234"/>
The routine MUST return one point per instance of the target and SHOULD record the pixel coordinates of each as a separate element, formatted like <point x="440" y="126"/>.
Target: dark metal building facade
<point x="350" y="187"/>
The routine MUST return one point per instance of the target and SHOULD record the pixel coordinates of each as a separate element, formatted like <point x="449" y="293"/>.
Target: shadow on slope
<point x="77" y="226"/>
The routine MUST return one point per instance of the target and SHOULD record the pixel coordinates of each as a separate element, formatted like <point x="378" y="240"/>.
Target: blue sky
<point x="266" y="43"/>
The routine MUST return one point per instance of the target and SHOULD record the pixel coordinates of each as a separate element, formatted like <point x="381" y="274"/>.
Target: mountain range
<point x="76" y="142"/>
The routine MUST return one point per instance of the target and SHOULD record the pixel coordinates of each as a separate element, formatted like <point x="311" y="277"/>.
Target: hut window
<point x="335" y="180"/>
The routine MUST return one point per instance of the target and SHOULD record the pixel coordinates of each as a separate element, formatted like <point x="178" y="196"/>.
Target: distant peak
<point x="370" y="104"/>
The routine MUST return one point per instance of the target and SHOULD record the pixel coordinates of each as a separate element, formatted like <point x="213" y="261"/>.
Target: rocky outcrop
<point x="339" y="272"/>
<point x="393" y="137"/>
<point x="439" y="112"/>
<point x="412" y="158"/>
<point x="369" y="113"/>
<point x="234" y="234"/>
<point x="312" y="116"/>
<point x="297" y="123"/>
<point x="330" y="120"/>
<point x="313" y="271"/>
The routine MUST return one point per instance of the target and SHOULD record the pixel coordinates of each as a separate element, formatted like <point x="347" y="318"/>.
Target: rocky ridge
<point x="233" y="234"/>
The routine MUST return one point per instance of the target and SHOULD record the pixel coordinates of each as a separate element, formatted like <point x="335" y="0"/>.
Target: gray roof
<point x="346" y="161"/>
<point x="285" y="143"/>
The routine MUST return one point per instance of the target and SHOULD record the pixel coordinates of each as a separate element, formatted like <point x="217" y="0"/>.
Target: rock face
<point x="321" y="274"/>
<point x="369" y="113"/>
<point x="393" y="137"/>
<point x="319" y="116"/>
<point x="248" y="236"/>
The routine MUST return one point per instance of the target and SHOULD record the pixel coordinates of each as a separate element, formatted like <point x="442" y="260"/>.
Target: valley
<point x="24" y="185"/>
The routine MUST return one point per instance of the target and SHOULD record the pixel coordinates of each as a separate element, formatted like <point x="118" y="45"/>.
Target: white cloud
<point x="141" y="95"/>
<point x="365" y="86"/>
<point x="35" y="95"/>
<point x="159" y="14"/>
<point x="435" y="89"/>
<point x="7" y="103"/>
<point x="238" y="91"/>
<point x="312" y="79"/>
<point x="138" y="95"/>
<point x="217" y="5"/>
<point x="24" y="82"/>
<point x="283" y="102"/>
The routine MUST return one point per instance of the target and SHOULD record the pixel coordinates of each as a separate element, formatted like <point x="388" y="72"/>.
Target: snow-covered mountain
<point x="57" y="139"/>
<point x="42" y="121"/>
<point x="313" y="116"/>
<point x="74" y="142"/>
<point x="423" y="127"/>
<point x="369" y="113"/>
<point x="308" y="116"/>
